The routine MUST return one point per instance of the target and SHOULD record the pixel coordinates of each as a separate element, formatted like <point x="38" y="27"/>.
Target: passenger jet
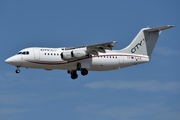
<point x="97" y="57"/>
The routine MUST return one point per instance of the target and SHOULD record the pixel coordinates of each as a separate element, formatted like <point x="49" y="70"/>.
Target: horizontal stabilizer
<point x="158" y="29"/>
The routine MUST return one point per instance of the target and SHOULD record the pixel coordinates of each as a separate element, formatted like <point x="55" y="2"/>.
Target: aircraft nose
<point x="9" y="60"/>
<point x="14" y="60"/>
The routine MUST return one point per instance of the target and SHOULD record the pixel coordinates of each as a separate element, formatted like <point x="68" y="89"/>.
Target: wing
<point x="102" y="47"/>
<point x="94" y="49"/>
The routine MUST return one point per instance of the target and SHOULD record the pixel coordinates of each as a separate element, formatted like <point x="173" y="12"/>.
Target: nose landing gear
<point x="17" y="70"/>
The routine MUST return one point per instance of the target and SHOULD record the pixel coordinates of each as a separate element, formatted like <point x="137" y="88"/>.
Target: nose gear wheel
<point x="17" y="70"/>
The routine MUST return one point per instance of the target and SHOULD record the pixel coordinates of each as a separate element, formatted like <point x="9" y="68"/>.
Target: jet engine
<point x="66" y="55"/>
<point x="78" y="53"/>
<point x="69" y="55"/>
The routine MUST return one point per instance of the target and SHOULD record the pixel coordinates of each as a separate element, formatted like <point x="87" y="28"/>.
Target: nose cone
<point x="9" y="60"/>
<point x="14" y="60"/>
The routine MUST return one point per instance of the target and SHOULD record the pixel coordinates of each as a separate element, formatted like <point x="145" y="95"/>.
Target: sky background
<point x="148" y="91"/>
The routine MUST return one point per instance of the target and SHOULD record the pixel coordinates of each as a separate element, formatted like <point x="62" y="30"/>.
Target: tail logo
<point x="133" y="50"/>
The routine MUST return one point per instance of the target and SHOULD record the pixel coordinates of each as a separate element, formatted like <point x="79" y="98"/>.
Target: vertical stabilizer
<point x="144" y="41"/>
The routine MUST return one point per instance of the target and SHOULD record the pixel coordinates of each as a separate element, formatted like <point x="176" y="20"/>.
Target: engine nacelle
<point x="78" y="53"/>
<point x="66" y="55"/>
<point x="69" y="55"/>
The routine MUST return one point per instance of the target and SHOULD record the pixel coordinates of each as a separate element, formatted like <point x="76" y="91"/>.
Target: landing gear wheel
<point x="74" y="74"/>
<point x="84" y="71"/>
<point x="17" y="71"/>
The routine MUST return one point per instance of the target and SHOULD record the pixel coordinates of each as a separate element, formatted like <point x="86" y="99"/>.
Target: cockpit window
<point x="24" y="53"/>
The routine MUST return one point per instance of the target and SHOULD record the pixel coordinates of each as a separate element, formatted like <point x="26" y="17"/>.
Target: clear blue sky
<point x="149" y="91"/>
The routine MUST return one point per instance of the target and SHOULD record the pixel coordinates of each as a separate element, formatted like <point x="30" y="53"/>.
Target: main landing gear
<point x="74" y="74"/>
<point x="17" y="70"/>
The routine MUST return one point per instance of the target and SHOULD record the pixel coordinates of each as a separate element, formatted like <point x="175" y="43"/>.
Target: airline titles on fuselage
<point x="47" y="49"/>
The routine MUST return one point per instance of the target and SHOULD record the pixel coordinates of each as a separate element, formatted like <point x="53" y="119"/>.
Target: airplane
<point x="97" y="57"/>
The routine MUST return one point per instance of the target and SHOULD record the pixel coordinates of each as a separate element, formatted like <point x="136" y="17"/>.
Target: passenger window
<point x="44" y="53"/>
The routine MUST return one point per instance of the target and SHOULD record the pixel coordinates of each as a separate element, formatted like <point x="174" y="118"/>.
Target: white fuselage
<point x="50" y="58"/>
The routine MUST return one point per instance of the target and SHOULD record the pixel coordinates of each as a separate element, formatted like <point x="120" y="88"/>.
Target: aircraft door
<point x="36" y="54"/>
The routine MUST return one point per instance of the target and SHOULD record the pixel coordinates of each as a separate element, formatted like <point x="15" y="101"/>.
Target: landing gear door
<point x="36" y="54"/>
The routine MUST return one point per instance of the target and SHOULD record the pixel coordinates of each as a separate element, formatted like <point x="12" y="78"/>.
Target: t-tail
<point x="144" y="42"/>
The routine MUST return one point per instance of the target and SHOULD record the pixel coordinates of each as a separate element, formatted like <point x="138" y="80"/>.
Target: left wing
<point x="94" y="49"/>
<point x="102" y="47"/>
